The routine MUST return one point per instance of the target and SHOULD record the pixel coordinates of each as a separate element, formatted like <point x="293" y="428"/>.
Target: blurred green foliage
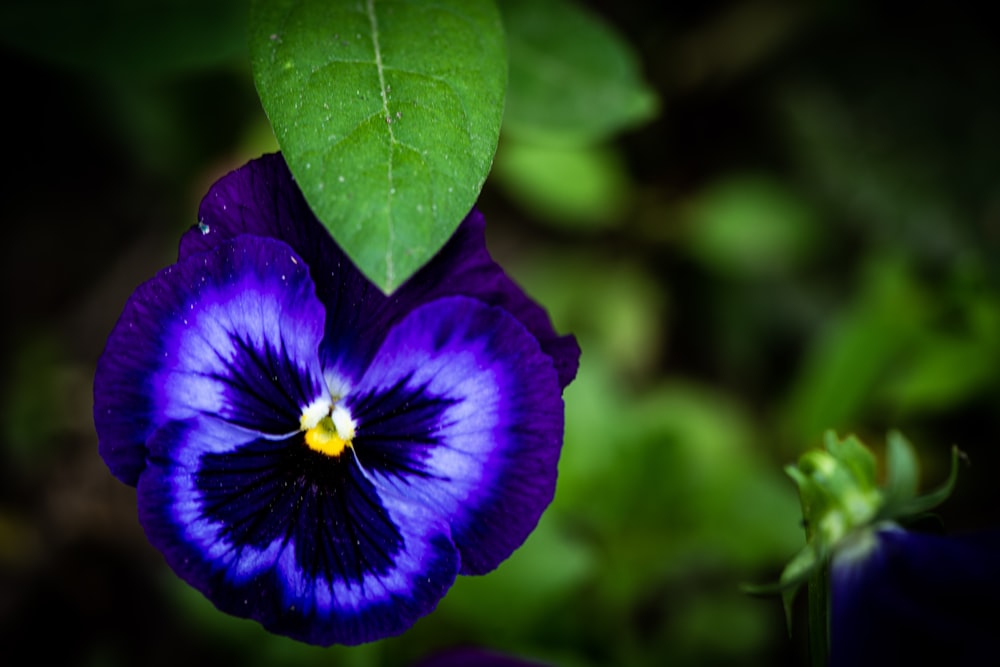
<point x="573" y="79"/>
<point x="804" y="237"/>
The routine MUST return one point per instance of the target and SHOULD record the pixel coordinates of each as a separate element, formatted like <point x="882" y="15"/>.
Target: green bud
<point x="842" y="502"/>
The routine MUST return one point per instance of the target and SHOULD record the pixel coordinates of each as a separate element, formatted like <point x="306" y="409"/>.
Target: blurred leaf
<point x="719" y="629"/>
<point x="580" y="187"/>
<point x="902" y="469"/>
<point x="855" y="351"/>
<point x="945" y="370"/>
<point x="751" y="225"/>
<point x="128" y="38"/>
<point x="573" y="80"/>
<point x="388" y="115"/>
<point x="683" y="469"/>
<point x="735" y="38"/>
<point x="952" y="360"/>
<point x="872" y="154"/>
<point x="517" y="595"/>
<point x="164" y="124"/>
<point x="736" y="500"/>
<point x="613" y="307"/>
<point x="595" y="402"/>
<point x="669" y="487"/>
<point x="34" y="400"/>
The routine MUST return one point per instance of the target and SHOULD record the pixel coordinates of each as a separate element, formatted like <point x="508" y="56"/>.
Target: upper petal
<point x="232" y="332"/>
<point x="911" y="598"/>
<point x="298" y="541"/>
<point x="262" y="198"/>
<point x="461" y="410"/>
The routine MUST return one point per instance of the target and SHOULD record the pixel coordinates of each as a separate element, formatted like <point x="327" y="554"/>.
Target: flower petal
<point x="301" y="542"/>
<point x="233" y="332"/>
<point x="464" y="267"/>
<point x="462" y="411"/>
<point x="913" y="598"/>
<point x="261" y="198"/>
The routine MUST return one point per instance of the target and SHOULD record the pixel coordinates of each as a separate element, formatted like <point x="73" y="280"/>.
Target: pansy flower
<point x="311" y="453"/>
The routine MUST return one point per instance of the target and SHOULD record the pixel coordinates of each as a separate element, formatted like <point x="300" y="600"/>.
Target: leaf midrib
<point x="391" y="235"/>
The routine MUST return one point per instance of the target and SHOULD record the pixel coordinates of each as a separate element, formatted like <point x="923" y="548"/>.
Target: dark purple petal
<point x="461" y="410"/>
<point x="298" y="541"/>
<point x="261" y="198"/>
<point x="912" y="598"/>
<point x="464" y="267"/>
<point x="232" y="332"/>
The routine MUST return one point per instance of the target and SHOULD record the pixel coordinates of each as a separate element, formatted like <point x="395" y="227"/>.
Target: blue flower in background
<point x="311" y="453"/>
<point x="909" y="598"/>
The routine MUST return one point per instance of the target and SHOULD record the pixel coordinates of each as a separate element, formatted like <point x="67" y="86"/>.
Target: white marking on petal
<point x="343" y="422"/>
<point x="312" y="413"/>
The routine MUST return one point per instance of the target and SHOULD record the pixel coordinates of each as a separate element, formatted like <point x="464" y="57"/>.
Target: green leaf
<point x="945" y="370"/>
<point x="388" y="114"/>
<point x="573" y="80"/>
<point x="857" y="348"/>
<point x="752" y="225"/>
<point x="855" y="457"/>
<point x="902" y="469"/>
<point x="925" y="503"/>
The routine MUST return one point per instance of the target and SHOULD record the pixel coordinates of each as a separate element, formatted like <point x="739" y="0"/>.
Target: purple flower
<point x="905" y="598"/>
<point x="311" y="453"/>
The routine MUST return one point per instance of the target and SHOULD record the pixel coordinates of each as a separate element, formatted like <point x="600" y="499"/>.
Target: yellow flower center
<point x="323" y="438"/>
<point x="328" y="428"/>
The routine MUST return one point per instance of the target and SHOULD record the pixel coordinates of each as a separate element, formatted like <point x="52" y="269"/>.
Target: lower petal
<point x="462" y="411"/>
<point x="273" y="531"/>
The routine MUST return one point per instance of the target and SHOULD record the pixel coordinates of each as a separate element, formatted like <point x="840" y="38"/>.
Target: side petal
<point x="462" y="411"/>
<point x="464" y="267"/>
<point x="910" y="598"/>
<point x="298" y="541"/>
<point x="233" y="332"/>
